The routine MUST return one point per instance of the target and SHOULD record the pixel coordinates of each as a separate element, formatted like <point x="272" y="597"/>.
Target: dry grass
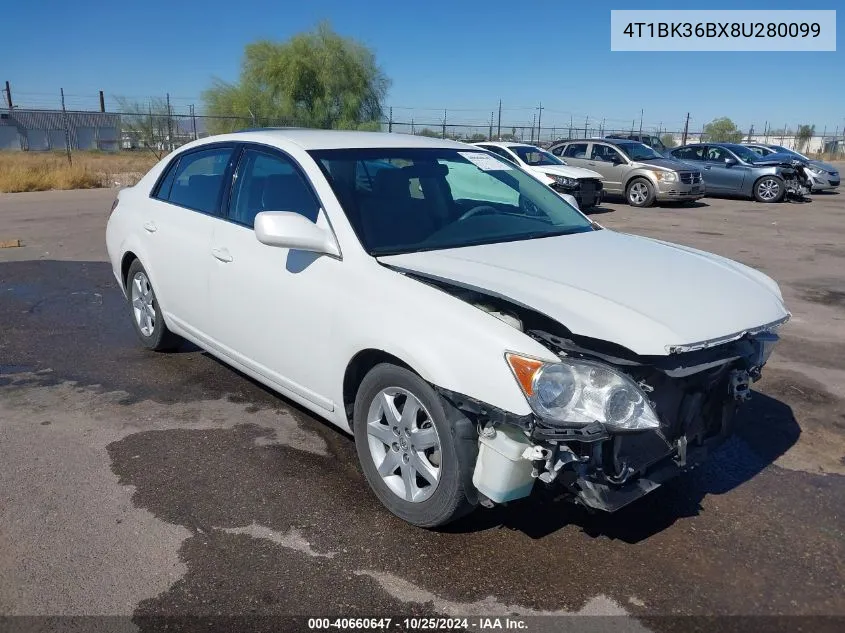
<point x="40" y="171"/>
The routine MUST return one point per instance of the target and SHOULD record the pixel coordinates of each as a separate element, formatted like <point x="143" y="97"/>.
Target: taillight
<point x="114" y="205"/>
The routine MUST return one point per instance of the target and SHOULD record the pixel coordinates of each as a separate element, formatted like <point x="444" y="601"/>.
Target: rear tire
<point x="769" y="189"/>
<point x="146" y="313"/>
<point x="446" y="447"/>
<point x="640" y="193"/>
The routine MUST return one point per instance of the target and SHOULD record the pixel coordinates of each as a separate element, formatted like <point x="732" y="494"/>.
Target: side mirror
<point x="730" y="160"/>
<point x="287" y="229"/>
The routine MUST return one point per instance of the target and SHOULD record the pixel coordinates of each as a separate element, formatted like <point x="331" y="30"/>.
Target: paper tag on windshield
<point x="485" y="162"/>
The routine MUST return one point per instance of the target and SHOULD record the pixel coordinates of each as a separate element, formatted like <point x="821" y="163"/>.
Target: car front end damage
<point x="587" y="191"/>
<point x="640" y="422"/>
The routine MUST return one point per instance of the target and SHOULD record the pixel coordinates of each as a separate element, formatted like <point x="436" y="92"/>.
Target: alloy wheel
<point x="638" y="193"/>
<point x="142" y="303"/>
<point x="768" y="189"/>
<point x="404" y="444"/>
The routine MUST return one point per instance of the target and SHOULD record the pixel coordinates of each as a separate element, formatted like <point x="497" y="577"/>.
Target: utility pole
<point x="412" y="126"/>
<point x="633" y="123"/>
<point x="586" y="125"/>
<point x="9" y="96"/>
<point x="102" y="102"/>
<point x="539" y="119"/>
<point x="641" y="123"/>
<point x="490" y="136"/>
<point x="444" y="124"/>
<point x="601" y="128"/>
<point x="499" y="126"/>
<point x="570" y="126"/>
<point x="766" y="132"/>
<point x="390" y="120"/>
<point x="67" y="131"/>
<point x="169" y="125"/>
<point x="194" y="121"/>
<point x="686" y="130"/>
<point x="533" y="122"/>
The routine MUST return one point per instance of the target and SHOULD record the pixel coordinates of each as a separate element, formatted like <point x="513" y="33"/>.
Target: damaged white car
<point x="479" y="336"/>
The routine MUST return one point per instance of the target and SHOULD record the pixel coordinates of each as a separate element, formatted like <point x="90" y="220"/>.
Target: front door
<point x="610" y="164"/>
<point x="272" y="306"/>
<point x="721" y="177"/>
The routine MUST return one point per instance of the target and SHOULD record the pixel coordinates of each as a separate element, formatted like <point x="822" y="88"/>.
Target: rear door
<point x="177" y="229"/>
<point x="576" y="155"/>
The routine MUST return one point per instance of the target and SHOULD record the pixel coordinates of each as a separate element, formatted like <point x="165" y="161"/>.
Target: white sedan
<point x="479" y="336"/>
<point x="585" y="186"/>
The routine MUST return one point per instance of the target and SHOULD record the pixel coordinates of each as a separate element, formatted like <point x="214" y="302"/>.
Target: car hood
<point x="646" y="295"/>
<point x="565" y="170"/>
<point x="779" y="159"/>
<point x="826" y="166"/>
<point x="667" y="163"/>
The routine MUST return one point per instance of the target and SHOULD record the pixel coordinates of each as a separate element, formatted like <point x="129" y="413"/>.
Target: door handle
<point x="222" y="254"/>
<point x="150" y="227"/>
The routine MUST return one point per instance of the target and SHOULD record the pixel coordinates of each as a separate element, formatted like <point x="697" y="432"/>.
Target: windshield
<point x="746" y="154"/>
<point x="534" y="156"/>
<point x="402" y="200"/>
<point x="638" y="151"/>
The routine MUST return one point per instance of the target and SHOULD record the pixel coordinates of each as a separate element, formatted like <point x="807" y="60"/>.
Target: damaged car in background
<point x="481" y="338"/>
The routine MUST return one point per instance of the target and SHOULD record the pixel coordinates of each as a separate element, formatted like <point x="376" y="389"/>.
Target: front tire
<point x="146" y="314"/>
<point x="769" y="189"/>
<point x="640" y="193"/>
<point x="416" y="450"/>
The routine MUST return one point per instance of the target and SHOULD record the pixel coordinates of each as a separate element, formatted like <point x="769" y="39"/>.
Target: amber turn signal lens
<point x="524" y="369"/>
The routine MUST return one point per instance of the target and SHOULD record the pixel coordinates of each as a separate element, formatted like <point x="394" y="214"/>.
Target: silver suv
<point x="634" y="170"/>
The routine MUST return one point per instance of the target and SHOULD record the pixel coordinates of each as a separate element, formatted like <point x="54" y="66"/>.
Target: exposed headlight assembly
<point x="666" y="176"/>
<point x="581" y="392"/>
<point x="816" y="170"/>
<point x="563" y="180"/>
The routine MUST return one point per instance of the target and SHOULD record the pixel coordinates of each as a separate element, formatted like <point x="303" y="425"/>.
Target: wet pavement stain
<point x="716" y="540"/>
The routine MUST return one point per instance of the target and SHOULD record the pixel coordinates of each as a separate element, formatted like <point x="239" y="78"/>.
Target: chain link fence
<point x="32" y="130"/>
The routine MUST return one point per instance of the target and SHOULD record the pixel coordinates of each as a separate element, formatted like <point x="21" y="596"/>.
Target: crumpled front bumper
<point x="588" y="192"/>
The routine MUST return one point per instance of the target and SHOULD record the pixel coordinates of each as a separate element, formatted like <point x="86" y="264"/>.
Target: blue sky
<point x="460" y="55"/>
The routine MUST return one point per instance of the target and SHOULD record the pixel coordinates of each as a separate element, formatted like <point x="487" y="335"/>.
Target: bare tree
<point x="147" y="125"/>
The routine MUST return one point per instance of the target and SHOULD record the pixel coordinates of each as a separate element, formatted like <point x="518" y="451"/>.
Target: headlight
<point x="816" y="170"/>
<point x="563" y="180"/>
<point x="580" y="392"/>
<point x="666" y="176"/>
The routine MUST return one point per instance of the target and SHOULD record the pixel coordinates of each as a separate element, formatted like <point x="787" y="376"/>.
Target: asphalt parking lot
<point x="138" y="484"/>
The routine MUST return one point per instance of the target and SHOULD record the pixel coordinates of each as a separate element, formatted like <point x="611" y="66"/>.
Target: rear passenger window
<point x="689" y="153"/>
<point x="576" y="150"/>
<point x="199" y="178"/>
<point x="268" y="182"/>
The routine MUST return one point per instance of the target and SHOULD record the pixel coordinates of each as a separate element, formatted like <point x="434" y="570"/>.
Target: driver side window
<point x="716" y="154"/>
<point x="605" y="153"/>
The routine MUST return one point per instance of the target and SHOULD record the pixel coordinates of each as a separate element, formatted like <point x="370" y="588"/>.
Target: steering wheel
<point x="481" y="208"/>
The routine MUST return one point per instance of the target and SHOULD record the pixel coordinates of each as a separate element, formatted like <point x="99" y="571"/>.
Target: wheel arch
<point x="358" y="367"/>
<point x="125" y="264"/>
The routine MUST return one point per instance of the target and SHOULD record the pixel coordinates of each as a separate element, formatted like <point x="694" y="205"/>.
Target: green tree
<point x="428" y="132"/>
<point x="474" y="138"/>
<point x="668" y="140"/>
<point x="803" y="136"/>
<point x="317" y="79"/>
<point x="722" y="130"/>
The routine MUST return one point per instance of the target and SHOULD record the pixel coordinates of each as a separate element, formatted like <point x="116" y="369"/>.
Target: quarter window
<point x="269" y="182"/>
<point x="198" y="179"/>
<point x="576" y="150"/>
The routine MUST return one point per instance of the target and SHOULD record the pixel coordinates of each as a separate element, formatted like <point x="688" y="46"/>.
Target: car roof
<point x="331" y="139"/>
<point x="504" y="144"/>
